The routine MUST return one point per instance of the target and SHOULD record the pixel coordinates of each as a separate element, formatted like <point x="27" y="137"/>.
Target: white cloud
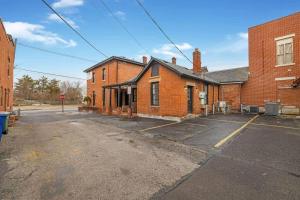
<point x="233" y="44"/>
<point x="243" y="35"/>
<point x="35" y="33"/>
<point x="120" y="14"/>
<point x="67" y="3"/>
<point x="54" y="17"/>
<point x="170" y="50"/>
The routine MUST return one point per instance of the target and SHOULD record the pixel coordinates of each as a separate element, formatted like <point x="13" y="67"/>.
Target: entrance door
<point x="190" y="99"/>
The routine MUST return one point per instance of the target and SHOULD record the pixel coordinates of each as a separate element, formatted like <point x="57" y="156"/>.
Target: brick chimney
<point x="174" y="60"/>
<point x="197" y="61"/>
<point x="145" y="60"/>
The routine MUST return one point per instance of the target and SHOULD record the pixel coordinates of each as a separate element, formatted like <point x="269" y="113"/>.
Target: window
<point x="155" y="94"/>
<point x="284" y="51"/>
<point x="93" y="77"/>
<point x="94" y="98"/>
<point x="103" y="74"/>
<point x="155" y="70"/>
<point x="103" y="96"/>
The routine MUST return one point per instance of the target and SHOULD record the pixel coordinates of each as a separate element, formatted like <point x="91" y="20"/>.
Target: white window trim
<point x="285" y="78"/>
<point x="282" y="41"/>
<point x="284" y="65"/>
<point x="284" y="37"/>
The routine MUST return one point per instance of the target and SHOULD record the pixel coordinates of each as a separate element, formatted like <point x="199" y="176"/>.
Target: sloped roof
<point x="123" y="59"/>
<point x="180" y="70"/>
<point x="230" y="75"/>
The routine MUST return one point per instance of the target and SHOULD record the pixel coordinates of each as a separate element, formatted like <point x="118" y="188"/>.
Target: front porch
<point x="122" y="99"/>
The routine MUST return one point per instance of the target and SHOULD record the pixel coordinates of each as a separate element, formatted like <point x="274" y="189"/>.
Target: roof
<point x="274" y="20"/>
<point x="230" y="75"/>
<point x="123" y="59"/>
<point x="181" y="71"/>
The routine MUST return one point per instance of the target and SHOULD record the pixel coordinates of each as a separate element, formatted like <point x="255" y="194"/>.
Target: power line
<point x="122" y="25"/>
<point x="71" y="27"/>
<point x="46" y="73"/>
<point x="56" y="53"/>
<point x="161" y="30"/>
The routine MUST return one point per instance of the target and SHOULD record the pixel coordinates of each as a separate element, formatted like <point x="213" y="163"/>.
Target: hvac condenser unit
<point x="272" y="108"/>
<point x="253" y="109"/>
<point x="250" y="109"/>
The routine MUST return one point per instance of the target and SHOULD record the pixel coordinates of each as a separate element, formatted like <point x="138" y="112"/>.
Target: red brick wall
<point x="172" y="94"/>
<point x="7" y="57"/>
<point x="232" y="94"/>
<point x="116" y="72"/>
<point x="261" y="85"/>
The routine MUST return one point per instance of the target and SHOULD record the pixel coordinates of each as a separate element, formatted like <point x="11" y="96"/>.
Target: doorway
<point x="190" y="99"/>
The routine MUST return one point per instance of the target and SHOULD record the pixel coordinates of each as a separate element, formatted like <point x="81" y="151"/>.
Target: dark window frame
<point x="154" y="93"/>
<point x="93" y="77"/>
<point x="103" y="74"/>
<point x="155" y="70"/>
<point x="103" y="96"/>
<point x="94" y="96"/>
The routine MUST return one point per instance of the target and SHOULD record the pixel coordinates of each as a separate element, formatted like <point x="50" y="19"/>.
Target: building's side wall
<point x="172" y="94"/>
<point x="231" y="93"/>
<point x="116" y="72"/>
<point x="262" y="86"/>
<point x="7" y="57"/>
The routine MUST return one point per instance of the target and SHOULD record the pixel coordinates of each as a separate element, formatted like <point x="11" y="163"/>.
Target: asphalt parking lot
<point x="71" y="155"/>
<point x="261" y="162"/>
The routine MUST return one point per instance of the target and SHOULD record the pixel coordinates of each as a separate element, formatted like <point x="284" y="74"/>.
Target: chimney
<point x="174" y="60"/>
<point x="197" y="61"/>
<point x="145" y="60"/>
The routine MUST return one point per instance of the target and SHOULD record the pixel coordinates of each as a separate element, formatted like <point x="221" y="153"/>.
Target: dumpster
<point x="4" y="122"/>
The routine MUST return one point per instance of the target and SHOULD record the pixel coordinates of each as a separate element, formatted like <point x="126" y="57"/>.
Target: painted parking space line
<point x="194" y="124"/>
<point x="275" y="126"/>
<point x="155" y="127"/>
<point x="231" y="135"/>
<point x="223" y="120"/>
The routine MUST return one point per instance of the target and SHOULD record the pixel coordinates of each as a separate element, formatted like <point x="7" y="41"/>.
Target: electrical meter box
<point x="202" y="96"/>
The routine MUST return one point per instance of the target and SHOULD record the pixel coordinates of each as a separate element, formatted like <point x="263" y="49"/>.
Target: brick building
<point x="274" y="62"/>
<point x="165" y="89"/>
<point x="154" y="89"/>
<point x="105" y="85"/>
<point x="7" y="57"/>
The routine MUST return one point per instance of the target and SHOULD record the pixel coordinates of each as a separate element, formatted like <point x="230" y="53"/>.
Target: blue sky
<point x="218" y="28"/>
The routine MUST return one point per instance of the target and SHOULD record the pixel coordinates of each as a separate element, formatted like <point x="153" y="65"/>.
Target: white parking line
<point x="154" y="127"/>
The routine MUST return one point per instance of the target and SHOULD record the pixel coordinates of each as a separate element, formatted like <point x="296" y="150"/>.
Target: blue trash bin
<point x="4" y="122"/>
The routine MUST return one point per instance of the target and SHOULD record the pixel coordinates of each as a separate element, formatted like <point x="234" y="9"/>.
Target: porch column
<point x="109" y="107"/>
<point x="119" y="96"/>
<point x="130" y="103"/>
<point x="119" y="100"/>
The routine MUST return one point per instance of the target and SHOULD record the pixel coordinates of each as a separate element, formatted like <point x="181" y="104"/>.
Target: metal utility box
<point x="272" y="108"/>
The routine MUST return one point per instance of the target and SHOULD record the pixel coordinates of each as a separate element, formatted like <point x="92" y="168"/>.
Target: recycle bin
<point x="4" y="122"/>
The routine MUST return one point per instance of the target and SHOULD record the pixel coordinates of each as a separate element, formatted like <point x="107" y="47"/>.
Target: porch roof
<point x="130" y="82"/>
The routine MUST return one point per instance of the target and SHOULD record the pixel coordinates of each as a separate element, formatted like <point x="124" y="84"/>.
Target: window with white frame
<point x="284" y="51"/>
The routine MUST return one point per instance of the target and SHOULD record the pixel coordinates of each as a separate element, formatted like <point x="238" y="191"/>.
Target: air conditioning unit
<point x="252" y="109"/>
<point x="272" y="108"/>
